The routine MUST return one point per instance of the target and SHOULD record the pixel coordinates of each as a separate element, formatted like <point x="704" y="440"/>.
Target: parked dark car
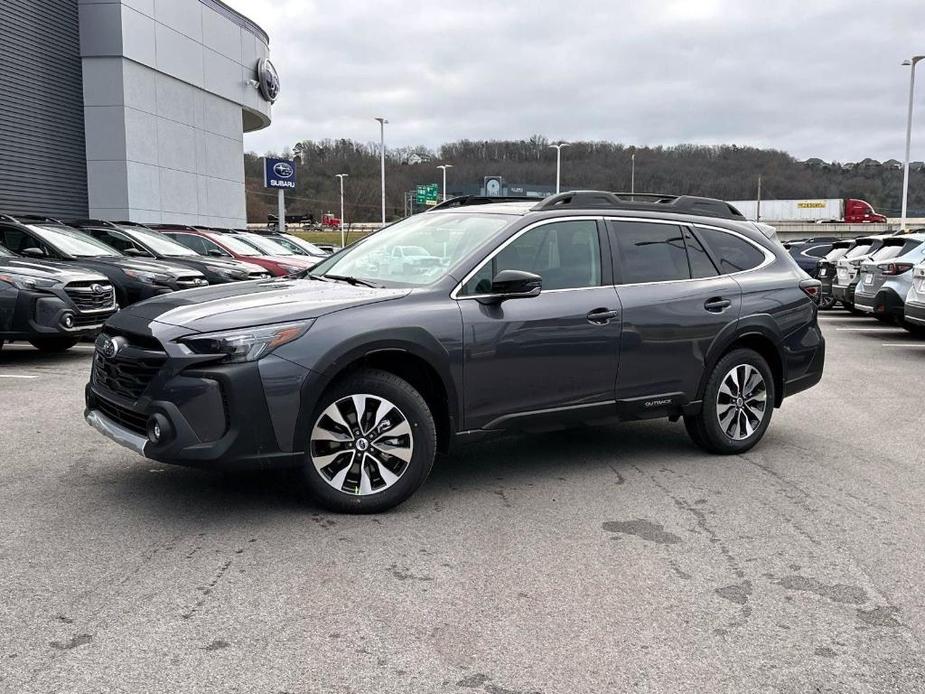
<point x="134" y="279"/>
<point x="808" y="252"/>
<point x="582" y="306"/>
<point x="51" y="305"/>
<point x="137" y="240"/>
<point x="219" y="244"/>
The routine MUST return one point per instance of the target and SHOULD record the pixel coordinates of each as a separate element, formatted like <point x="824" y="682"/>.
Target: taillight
<point x="895" y="268"/>
<point x="812" y="289"/>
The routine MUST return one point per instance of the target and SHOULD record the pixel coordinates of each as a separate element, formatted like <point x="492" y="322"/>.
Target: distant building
<point x="916" y="165"/>
<point x="526" y="190"/>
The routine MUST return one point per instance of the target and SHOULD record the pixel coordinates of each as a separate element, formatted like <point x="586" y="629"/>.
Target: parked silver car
<point x="886" y="276"/>
<point x="847" y="268"/>
<point x="914" y="307"/>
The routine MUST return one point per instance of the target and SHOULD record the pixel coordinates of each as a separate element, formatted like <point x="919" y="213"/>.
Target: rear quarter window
<point x="733" y="254"/>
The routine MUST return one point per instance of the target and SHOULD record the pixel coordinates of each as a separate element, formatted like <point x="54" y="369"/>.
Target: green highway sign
<point x="427" y="194"/>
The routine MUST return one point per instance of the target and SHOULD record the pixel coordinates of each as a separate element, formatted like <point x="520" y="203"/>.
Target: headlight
<point x="292" y="269"/>
<point x="148" y="277"/>
<point x="246" y="344"/>
<point x="233" y="274"/>
<point x="27" y="282"/>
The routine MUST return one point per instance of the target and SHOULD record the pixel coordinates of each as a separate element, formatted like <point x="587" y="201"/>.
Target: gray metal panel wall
<point x="43" y="167"/>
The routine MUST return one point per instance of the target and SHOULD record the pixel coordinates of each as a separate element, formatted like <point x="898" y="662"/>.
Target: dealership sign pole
<point x="279" y="174"/>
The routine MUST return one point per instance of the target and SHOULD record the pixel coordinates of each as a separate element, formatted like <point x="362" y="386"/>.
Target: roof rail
<point x="7" y="217"/>
<point x="35" y="218"/>
<point x="81" y="223"/>
<point x="172" y="227"/>
<point x="126" y="223"/>
<point x="653" y="202"/>
<point x="466" y="200"/>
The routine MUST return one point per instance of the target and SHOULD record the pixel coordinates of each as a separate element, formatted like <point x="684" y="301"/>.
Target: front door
<point x="556" y="352"/>
<point x="676" y="303"/>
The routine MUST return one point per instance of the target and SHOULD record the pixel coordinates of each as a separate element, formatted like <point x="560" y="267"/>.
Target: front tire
<point x="53" y="344"/>
<point x="372" y="443"/>
<point x="737" y="404"/>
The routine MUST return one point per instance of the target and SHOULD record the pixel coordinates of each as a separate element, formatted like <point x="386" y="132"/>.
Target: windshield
<point x="264" y="245"/>
<point x="159" y="243"/>
<point x="73" y="242"/>
<point x="859" y="250"/>
<point x="836" y="253"/>
<point x="295" y="242"/>
<point x="234" y="245"/>
<point x="442" y="240"/>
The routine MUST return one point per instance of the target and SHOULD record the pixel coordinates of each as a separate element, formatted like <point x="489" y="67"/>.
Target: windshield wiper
<point x="355" y="281"/>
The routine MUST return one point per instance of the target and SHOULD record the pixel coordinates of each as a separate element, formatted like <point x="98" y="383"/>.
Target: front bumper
<point x="230" y="416"/>
<point x="914" y="312"/>
<point x="25" y="315"/>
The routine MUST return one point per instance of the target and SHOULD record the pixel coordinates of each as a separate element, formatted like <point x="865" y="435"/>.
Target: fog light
<point x="158" y="428"/>
<point x="67" y="320"/>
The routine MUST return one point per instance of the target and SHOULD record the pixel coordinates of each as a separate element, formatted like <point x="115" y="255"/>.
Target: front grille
<point x="123" y="416"/>
<point x="128" y="374"/>
<point x="91" y="296"/>
<point x="190" y="282"/>
<point x="87" y="321"/>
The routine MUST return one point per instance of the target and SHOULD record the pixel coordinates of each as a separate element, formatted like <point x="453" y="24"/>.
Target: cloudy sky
<point x="816" y="77"/>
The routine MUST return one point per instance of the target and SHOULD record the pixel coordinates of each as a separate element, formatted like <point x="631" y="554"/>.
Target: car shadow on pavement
<point x="518" y="459"/>
<point x="27" y="356"/>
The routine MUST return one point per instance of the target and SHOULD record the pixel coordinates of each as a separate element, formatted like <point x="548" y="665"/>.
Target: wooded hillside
<point x="724" y="171"/>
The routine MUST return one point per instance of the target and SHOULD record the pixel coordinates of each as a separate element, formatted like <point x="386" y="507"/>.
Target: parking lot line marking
<point x="918" y="345"/>
<point x="16" y="376"/>
<point x="871" y="330"/>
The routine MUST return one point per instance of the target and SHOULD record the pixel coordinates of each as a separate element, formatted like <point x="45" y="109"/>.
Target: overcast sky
<point x="816" y="77"/>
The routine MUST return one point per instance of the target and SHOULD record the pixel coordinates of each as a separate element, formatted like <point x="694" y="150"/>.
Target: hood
<point x="219" y="263"/>
<point x="49" y="269"/>
<point x="303" y="261"/>
<point x="138" y="265"/>
<point x="243" y="304"/>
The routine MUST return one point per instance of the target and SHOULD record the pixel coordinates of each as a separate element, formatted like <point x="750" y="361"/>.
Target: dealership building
<point x="129" y="109"/>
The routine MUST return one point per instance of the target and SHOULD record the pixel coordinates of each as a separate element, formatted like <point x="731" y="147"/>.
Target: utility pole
<point x="444" y="167"/>
<point x="633" y="175"/>
<point x="911" y="62"/>
<point x="558" y="149"/>
<point x="758" y="211"/>
<point x="281" y="210"/>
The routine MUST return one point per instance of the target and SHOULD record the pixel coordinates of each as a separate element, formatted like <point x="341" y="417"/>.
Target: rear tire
<point x="53" y="344"/>
<point x="913" y="328"/>
<point x="371" y="444"/>
<point x="735" y="415"/>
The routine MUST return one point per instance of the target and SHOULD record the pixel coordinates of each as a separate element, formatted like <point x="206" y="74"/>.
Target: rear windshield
<point x="894" y="250"/>
<point x="859" y="250"/>
<point x="836" y="253"/>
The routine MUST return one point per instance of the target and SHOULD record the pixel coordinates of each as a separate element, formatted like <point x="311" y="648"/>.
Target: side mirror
<point x="135" y="252"/>
<point x="217" y="253"/>
<point x="33" y="252"/>
<point x="515" y="284"/>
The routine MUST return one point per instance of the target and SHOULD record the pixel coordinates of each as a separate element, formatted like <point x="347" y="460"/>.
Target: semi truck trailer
<point x="847" y="210"/>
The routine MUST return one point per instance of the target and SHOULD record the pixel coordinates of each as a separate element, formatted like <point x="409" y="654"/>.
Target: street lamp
<point x="382" y="122"/>
<point x="911" y="63"/>
<point x="342" y="238"/>
<point x="558" y="149"/>
<point x="633" y="175"/>
<point x="444" y="167"/>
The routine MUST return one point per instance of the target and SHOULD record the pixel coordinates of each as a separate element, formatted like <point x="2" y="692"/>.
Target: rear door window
<point x="701" y="265"/>
<point x="733" y="253"/>
<point x="650" y="252"/>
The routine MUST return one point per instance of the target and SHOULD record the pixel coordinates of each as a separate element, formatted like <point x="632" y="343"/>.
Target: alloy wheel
<point x="741" y="402"/>
<point x="361" y="444"/>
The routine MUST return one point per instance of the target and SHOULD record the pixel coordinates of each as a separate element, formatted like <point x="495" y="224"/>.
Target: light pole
<point x="444" y="167"/>
<point x="342" y="238"/>
<point x="633" y="175"/>
<point x="558" y="149"/>
<point x="911" y="62"/>
<point x="382" y="122"/>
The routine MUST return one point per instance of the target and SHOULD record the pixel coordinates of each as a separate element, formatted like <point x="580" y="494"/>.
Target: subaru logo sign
<point x="279" y="173"/>
<point x="97" y="289"/>
<point x="283" y="169"/>
<point x="267" y="80"/>
<point x="109" y="347"/>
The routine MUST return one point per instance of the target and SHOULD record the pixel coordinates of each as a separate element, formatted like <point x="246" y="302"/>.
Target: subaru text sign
<point x="278" y="173"/>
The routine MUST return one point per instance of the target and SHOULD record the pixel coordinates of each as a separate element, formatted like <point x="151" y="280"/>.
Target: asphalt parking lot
<point x="609" y="558"/>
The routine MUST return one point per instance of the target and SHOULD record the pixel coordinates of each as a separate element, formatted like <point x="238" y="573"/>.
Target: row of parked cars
<point x="59" y="282"/>
<point x="881" y="275"/>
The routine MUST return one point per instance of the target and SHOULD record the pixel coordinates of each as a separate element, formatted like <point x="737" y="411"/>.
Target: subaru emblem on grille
<point x="97" y="289"/>
<point x="109" y="346"/>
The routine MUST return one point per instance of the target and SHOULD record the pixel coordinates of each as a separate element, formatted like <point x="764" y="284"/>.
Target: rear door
<point x="676" y="303"/>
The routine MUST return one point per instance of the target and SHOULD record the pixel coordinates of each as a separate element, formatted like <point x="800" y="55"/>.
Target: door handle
<point x="717" y="304"/>
<point x="601" y="316"/>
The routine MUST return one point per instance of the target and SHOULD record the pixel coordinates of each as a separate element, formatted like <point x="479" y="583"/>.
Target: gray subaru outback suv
<point x="514" y="316"/>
